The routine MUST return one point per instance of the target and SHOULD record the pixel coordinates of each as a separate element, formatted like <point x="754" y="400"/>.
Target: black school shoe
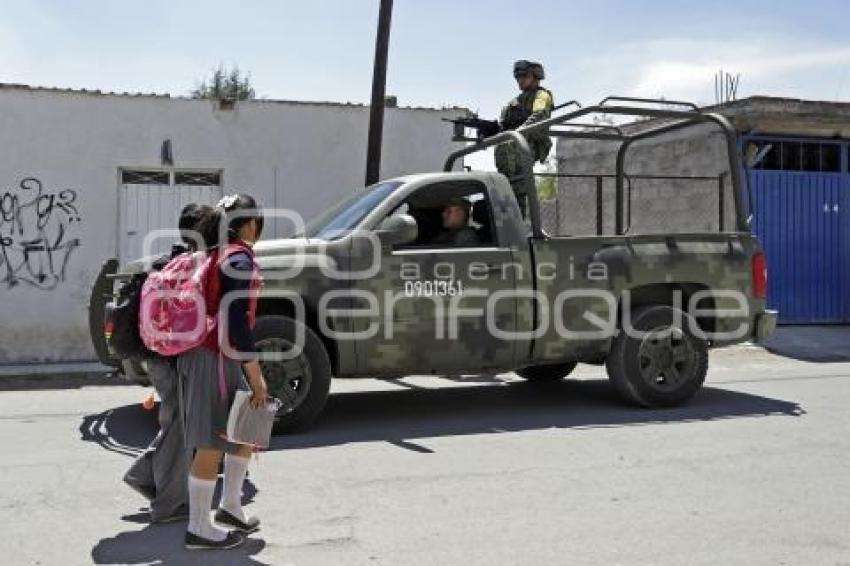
<point x="252" y="526"/>
<point x="232" y="540"/>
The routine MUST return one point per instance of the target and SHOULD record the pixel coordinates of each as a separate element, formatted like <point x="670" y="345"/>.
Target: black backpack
<point x="121" y="316"/>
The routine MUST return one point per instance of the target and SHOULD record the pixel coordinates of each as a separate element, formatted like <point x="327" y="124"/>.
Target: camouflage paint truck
<point x="362" y="290"/>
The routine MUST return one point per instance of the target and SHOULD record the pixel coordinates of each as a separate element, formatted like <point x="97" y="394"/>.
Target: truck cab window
<point x="450" y="215"/>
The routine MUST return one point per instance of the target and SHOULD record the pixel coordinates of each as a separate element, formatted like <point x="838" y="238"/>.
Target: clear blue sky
<point x="441" y="52"/>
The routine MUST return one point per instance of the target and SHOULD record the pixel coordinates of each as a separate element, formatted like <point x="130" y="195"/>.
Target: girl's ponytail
<point x="222" y="225"/>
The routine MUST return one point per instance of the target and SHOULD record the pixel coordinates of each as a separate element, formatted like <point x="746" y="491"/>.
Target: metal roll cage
<point x="689" y="115"/>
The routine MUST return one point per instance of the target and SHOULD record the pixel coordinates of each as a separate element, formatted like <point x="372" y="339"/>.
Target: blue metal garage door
<point x="801" y="220"/>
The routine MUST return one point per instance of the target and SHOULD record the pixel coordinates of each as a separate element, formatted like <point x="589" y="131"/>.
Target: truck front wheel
<point x="297" y="371"/>
<point x="659" y="362"/>
<point x="551" y="372"/>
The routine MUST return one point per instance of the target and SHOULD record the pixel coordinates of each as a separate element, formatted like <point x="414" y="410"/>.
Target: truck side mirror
<point x="397" y="229"/>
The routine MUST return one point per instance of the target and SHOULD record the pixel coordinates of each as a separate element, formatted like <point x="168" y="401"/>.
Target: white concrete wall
<point x="301" y="156"/>
<point x="658" y="206"/>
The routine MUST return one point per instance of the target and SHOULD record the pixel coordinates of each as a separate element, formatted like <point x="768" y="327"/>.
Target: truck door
<point x="441" y="297"/>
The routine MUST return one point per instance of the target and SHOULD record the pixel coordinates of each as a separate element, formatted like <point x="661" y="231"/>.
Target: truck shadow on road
<point x="404" y="415"/>
<point x="400" y="416"/>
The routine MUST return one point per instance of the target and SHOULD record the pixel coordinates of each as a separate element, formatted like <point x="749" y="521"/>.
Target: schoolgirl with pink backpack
<point x="181" y="312"/>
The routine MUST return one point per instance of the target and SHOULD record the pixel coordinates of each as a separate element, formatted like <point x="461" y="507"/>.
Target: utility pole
<point x="379" y="87"/>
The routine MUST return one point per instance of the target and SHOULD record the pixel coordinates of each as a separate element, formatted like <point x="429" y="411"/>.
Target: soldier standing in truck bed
<point x="532" y="105"/>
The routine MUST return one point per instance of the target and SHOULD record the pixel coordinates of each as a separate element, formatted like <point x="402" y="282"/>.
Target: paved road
<point x="484" y="471"/>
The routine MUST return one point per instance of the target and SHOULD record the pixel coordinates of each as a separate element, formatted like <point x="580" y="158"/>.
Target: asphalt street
<point x="481" y="470"/>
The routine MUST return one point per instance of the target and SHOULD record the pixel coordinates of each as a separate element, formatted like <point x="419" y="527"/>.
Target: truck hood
<point x="294" y="253"/>
<point x="282" y="253"/>
<point x="287" y="246"/>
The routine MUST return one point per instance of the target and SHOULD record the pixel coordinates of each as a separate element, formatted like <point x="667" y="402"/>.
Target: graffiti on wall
<point x="36" y="228"/>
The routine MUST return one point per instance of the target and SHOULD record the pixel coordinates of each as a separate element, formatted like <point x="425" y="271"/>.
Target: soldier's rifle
<point x="483" y="128"/>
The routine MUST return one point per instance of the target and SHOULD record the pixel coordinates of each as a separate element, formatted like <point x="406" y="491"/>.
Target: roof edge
<point x="167" y="96"/>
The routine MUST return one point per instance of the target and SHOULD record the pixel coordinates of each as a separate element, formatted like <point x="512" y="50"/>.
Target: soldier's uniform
<point x="528" y="107"/>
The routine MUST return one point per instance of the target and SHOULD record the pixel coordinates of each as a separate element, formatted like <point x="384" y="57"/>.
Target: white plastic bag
<point x="247" y="425"/>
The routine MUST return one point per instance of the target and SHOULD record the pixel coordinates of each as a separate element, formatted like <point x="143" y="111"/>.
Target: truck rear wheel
<point x="302" y="381"/>
<point x="550" y="372"/>
<point x="663" y="367"/>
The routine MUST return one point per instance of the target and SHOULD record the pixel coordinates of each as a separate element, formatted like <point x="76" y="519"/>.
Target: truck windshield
<point x="346" y="215"/>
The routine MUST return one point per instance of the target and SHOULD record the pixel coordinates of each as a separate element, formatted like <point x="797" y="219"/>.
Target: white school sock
<point x="200" y="504"/>
<point x="235" y="468"/>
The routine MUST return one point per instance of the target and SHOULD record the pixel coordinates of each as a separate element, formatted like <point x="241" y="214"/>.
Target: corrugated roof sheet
<point x="98" y="92"/>
<point x="63" y="90"/>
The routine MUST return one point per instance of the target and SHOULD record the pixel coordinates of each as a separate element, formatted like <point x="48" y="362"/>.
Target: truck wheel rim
<point x="666" y="358"/>
<point x="290" y="379"/>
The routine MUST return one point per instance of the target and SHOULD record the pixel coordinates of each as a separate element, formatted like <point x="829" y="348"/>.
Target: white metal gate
<point x="152" y="200"/>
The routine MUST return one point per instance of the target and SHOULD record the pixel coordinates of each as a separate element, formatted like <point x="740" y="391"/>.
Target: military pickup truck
<point x="364" y="291"/>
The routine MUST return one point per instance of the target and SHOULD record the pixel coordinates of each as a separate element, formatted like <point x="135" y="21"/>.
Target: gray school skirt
<point x="203" y="410"/>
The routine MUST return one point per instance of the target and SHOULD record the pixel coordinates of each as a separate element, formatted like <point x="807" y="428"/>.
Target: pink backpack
<point x="173" y="315"/>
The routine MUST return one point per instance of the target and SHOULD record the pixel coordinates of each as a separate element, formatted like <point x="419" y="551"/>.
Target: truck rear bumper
<point x="765" y="325"/>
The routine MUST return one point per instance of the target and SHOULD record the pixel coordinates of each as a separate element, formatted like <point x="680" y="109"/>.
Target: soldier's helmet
<point x="522" y="67"/>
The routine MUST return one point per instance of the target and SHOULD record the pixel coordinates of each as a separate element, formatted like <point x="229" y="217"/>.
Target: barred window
<point x="198" y="178"/>
<point x="798" y="156"/>
<point x="189" y="178"/>
<point x="138" y="177"/>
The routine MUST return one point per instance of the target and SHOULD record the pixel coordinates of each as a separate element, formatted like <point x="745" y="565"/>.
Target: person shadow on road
<point x="126" y="430"/>
<point x="163" y="544"/>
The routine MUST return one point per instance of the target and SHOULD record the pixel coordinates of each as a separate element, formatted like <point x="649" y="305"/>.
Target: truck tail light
<point x="108" y="327"/>
<point x="759" y="276"/>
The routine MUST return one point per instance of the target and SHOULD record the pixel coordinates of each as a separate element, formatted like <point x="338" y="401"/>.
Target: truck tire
<point x="101" y="293"/>
<point x="663" y="368"/>
<point x="303" y="382"/>
<point x="550" y="372"/>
